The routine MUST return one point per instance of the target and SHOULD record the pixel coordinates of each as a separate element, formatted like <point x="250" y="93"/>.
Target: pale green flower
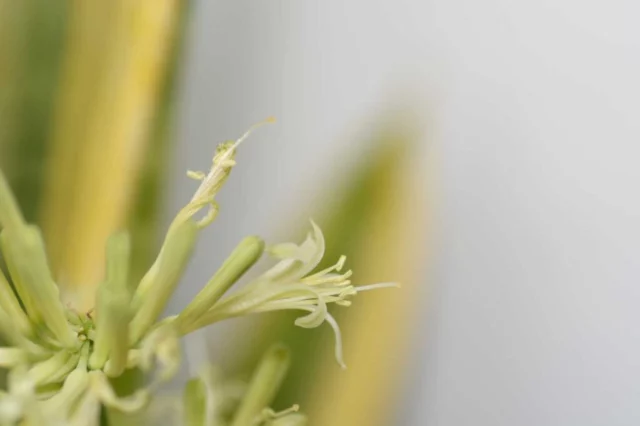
<point x="61" y="360"/>
<point x="289" y="286"/>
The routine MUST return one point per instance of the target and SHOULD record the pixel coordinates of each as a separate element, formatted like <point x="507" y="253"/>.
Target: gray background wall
<point x="534" y="315"/>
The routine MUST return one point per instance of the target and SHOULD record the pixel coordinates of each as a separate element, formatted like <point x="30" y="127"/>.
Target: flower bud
<point x="295" y="419"/>
<point x="10" y="304"/>
<point x="159" y="283"/>
<point x="27" y="262"/>
<point x="243" y="257"/>
<point x="10" y="215"/>
<point x="113" y="308"/>
<point x="195" y="403"/>
<point x="112" y="329"/>
<point x="264" y="385"/>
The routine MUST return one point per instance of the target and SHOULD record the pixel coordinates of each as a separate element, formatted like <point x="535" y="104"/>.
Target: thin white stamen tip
<point x="376" y="286"/>
<point x="251" y="129"/>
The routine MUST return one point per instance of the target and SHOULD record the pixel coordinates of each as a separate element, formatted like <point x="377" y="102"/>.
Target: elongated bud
<point x="11" y="218"/>
<point x="13" y="336"/>
<point x="117" y="319"/>
<point x="195" y="403"/>
<point x="27" y="262"/>
<point x="10" y="304"/>
<point x="15" y="265"/>
<point x="118" y="255"/>
<point x="290" y="420"/>
<point x="118" y="340"/>
<point x="10" y="215"/>
<point x="113" y="316"/>
<point x="159" y="283"/>
<point x="113" y="307"/>
<point x="243" y="257"/>
<point x="264" y="385"/>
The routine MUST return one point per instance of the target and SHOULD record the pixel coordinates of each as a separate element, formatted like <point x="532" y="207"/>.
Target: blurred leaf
<point x="195" y="402"/>
<point x="31" y="41"/>
<point x="377" y="329"/>
<point x="144" y="221"/>
<point x="113" y="73"/>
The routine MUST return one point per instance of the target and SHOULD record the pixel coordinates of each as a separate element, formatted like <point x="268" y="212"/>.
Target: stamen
<point x="268" y="120"/>
<point x="376" y="286"/>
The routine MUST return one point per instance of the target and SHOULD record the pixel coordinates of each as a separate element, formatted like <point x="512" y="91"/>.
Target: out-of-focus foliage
<point x="86" y="114"/>
<point x="145" y="215"/>
<point x="378" y="332"/>
<point x="116" y="58"/>
<point x="32" y="34"/>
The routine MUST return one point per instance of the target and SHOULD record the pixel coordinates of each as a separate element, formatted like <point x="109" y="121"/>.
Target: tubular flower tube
<point x="61" y="360"/>
<point x="243" y="257"/>
<point x="263" y="386"/>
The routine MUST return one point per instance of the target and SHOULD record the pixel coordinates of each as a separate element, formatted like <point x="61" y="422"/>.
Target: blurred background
<point x="483" y="154"/>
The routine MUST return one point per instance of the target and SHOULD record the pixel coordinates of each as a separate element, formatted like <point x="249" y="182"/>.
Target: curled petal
<point x="315" y="318"/>
<point x="102" y="388"/>
<point x="297" y="261"/>
<point x="338" y="336"/>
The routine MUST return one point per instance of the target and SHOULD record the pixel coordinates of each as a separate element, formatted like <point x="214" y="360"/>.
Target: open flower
<point x="289" y="285"/>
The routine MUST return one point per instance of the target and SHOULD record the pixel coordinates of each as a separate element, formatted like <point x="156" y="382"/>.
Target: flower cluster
<point x="61" y="361"/>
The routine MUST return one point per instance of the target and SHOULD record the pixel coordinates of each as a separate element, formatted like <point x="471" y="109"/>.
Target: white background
<point x="534" y="318"/>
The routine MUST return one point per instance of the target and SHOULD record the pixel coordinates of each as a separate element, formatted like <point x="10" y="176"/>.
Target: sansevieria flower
<point x="61" y="360"/>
